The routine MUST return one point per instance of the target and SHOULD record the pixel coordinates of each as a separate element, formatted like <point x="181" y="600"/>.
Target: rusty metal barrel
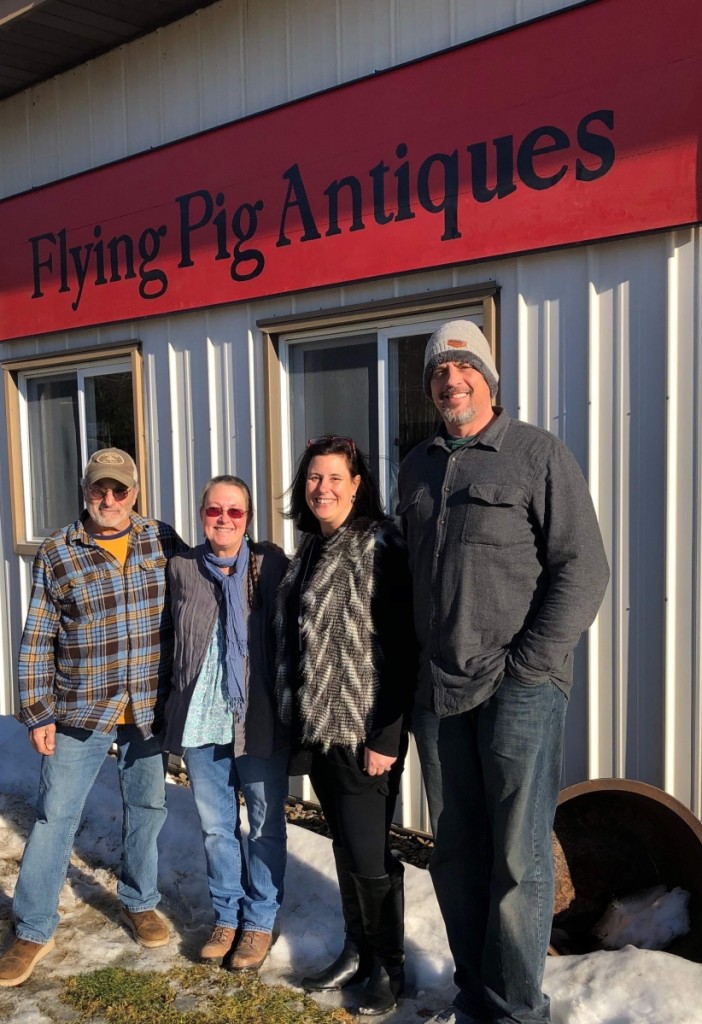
<point x="614" y="838"/>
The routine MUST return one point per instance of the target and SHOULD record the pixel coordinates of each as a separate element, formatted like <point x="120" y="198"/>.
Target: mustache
<point x="451" y="391"/>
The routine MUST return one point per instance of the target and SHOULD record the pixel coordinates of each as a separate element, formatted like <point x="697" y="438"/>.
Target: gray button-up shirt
<point x="507" y="561"/>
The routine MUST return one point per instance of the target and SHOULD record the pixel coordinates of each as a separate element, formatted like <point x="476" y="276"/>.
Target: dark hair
<point x="368" y="502"/>
<point x="253" y="582"/>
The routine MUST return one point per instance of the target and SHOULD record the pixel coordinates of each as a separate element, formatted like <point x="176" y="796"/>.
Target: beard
<point x="457" y="417"/>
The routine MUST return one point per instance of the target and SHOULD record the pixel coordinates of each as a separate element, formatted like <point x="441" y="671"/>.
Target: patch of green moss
<point x="192" y="995"/>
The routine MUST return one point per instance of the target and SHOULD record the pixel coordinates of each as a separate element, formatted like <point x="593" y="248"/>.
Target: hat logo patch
<point x="455" y="343"/>
<point x="109" y="459"/>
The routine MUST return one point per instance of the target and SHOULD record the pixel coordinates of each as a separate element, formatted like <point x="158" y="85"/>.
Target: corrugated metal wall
<point x="598" y="344"/>
<point x="228" y="60"/>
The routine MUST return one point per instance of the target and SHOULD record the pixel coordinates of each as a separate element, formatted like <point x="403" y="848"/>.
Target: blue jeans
<point x="67" y="776"/>
<point x="492" y="867"/>
<point x="425" y="728"/>
<point x="246" y="887"/>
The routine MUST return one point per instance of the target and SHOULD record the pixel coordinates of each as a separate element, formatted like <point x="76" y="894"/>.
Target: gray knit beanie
<point x="460" y="341"/>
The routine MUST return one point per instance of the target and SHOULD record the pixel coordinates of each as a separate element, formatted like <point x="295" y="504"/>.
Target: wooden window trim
<point x="370" y="315"/>
<point x="12" y="369"/>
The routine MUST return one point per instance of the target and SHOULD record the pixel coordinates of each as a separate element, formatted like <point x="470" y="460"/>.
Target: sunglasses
<point x="118" y="493"/>
<point x="332" y="439"/>
<point x="214" y="512"/>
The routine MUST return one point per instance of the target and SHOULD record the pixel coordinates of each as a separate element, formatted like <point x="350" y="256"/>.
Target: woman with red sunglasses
<point x="221" y="717"/>
<point x="345" y="682"/>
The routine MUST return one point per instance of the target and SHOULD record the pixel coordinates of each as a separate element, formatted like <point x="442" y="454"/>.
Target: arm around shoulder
<point x="272" y="561"/>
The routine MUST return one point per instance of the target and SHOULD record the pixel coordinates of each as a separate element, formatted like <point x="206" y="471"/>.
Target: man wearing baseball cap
<point x="509" y="570"/>
<point x="94" y="669"/>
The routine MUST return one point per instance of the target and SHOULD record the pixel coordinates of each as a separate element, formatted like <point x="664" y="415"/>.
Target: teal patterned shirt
<point x="209" y="718"/>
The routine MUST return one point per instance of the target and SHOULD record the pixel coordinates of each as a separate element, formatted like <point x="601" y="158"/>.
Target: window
<point x="362" y="380"/>
<point x="61" y="411"/>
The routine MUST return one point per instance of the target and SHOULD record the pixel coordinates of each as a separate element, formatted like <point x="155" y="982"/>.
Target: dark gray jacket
<point x="507" y="561"/>
<point x="196" y="601"/>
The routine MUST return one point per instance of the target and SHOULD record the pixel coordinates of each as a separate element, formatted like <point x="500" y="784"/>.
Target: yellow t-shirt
<point x="118" y="545"/>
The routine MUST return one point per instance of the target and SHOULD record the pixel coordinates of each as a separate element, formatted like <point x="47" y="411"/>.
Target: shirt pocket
<point x="87" y="596"/>
<point x="494" y="515"/>
<point x="151" y="579"/>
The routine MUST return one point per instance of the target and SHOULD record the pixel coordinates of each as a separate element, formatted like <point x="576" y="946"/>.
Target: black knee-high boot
<point x="382" y="907"/>
<point x="355" y="960"/>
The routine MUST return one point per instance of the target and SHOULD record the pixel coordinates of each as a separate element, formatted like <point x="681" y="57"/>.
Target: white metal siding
<point x="599" y="344"/>
<point x="228" y="60"/>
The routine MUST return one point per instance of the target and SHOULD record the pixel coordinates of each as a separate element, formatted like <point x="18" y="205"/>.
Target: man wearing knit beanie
<point x="508" y="571"/>
<point x="456" y="361"/>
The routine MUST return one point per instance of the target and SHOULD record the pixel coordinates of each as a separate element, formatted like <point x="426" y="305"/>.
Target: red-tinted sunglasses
<point x="214" y="512"/>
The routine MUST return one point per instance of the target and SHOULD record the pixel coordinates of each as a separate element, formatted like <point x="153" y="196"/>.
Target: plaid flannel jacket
<point x="98" y="633"/>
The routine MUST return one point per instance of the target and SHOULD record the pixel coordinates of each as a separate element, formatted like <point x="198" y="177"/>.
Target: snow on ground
<point x="630" y="986"/>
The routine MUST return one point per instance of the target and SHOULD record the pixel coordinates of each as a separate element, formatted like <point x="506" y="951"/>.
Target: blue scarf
<point x="234" y="622"/>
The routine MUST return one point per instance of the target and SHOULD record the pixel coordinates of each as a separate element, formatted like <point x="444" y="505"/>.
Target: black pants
<point x="358" y="808"/>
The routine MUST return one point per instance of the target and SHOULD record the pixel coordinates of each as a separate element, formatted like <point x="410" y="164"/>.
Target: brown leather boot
<point x="148" y="928"/>
<point x="18" y="962"/>
<point x="220" y="942"/>
<point x="251" y="950"/>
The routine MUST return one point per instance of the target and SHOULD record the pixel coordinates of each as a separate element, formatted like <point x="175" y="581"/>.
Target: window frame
<point x="14" y="371"/>
<point x="385" y="319"/>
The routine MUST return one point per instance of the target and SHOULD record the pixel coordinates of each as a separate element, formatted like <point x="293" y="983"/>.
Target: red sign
<point x="582" y="126"/>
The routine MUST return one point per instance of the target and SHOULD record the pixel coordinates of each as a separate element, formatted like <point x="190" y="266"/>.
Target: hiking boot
<point x="147" y="927"/>
<point x="20" y="959"/>
<point x="251" y="950"/>
<point x="220" y="942"/>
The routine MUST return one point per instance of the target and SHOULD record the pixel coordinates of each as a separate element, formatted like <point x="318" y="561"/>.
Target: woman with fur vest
<point x="345" y="680"/>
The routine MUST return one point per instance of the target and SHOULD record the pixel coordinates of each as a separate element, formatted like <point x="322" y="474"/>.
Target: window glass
<point x="69" y="416"/>
<point x="413" y="416"/>
<point x="334" y="391"/>
<point x="54" y="451"/>
<point x="109" y="412"/>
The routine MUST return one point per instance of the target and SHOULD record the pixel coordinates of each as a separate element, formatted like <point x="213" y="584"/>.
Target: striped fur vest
<point x="341" y="661"/>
